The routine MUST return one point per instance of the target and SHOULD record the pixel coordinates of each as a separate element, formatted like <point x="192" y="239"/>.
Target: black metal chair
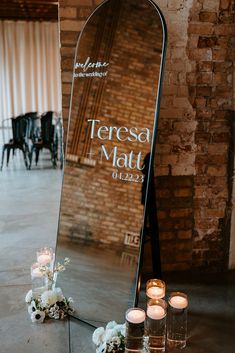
<point x="33" y="125"/>
<point x="19" y="140"/>
<point x="47" y="139"/>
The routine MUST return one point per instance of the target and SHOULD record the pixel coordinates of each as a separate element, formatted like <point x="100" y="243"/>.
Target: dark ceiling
<point x="29" y="10"/>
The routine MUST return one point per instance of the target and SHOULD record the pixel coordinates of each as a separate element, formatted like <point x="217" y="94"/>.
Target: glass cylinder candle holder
<point x="155" y="289"/>
<point x="135" y="318"/>
<point x="45" y="257"/>
<point x="177" y="320"/>
<point x="38" y="280"/>
<point x="155" y="326"/>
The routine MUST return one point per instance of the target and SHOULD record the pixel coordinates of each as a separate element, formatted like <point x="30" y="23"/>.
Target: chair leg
<point x="8" y="154"/>
<point x="37" y="151"/>
<point x="27" y="154"/>
<point x="3" y="153"/>
<point x="31" y="156"/>
<point x="25" y="158"/>
<point x="52" y="156"/>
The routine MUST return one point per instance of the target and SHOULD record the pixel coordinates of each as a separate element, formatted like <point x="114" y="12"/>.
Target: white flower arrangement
<point x="50" y="304"/>
<point x="110" y="339"/>
<point x="51" y="275"/>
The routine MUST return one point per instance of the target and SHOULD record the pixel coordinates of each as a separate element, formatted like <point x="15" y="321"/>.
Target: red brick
<point x="217" y="171"/>
<point x="205" y="66"/>
<point x="225" y="29"/>
<point x="184" y="234"/>
<point x="167" y="235"/>
<point x="206" y="16"/>
<point x="183" y="192"/>
<point x="207" y="42"/>
<point x="224" y="4"/>
<point x="201" y="28"/>
<point x="220" y="137"/>
<point x="180" y="212"/>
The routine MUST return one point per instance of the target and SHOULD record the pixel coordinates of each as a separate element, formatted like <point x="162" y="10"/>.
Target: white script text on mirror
<point x="122" y="133"/>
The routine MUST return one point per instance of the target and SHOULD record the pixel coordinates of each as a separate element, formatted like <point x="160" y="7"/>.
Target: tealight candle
<point x="155" y="328"/>
<point x="177" y="320"/>
<point x="178" y="302"/>
<point x="36" y="273"/>
<point x="135" y="318"/>
<point x="45" y="256"/>
<point x="155" y="289"/>
<point x="44" y="259"/>
<point x="155" y="292"/>
<point x="156" y="312"/>
<point x="37" y="278"/>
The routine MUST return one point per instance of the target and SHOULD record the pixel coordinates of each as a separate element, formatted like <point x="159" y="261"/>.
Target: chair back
<point x="47" y="128"/>
<point x="32" y="125"/>
<point x="19" y="129"/>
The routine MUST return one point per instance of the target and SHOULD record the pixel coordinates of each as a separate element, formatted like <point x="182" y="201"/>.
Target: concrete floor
<point x="211" y="316"/>
<point x="28" y="220"/>
<point x="29" y="209"/>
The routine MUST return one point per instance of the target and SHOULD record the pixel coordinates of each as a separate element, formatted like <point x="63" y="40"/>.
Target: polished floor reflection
<point x="211" y="317"/>
<point x="90" y="266"/>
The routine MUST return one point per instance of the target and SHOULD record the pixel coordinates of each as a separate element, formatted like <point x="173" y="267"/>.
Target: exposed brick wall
<point x="212" y="30"/>
<point x="193" y="137"/>
<point x="176" y="221"/>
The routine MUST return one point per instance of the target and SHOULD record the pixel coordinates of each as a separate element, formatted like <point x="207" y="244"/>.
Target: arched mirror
<point x="113" y="119"/>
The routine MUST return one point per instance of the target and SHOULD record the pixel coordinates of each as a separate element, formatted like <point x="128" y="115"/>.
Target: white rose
<point x="98" y="336"/>
<point x="59" y="294"/>
<point x="123" y="330"/>
<point x="115" y="331"/>
<point x="48" y="298"/>
<point x="111" y="325"/>
<point x="108" y="335"/>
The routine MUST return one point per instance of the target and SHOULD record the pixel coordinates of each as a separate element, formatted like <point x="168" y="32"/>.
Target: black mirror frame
<point x="153" y="142"/>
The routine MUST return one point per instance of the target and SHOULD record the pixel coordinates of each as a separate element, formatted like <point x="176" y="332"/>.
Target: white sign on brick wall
<point x="132" y="239"/>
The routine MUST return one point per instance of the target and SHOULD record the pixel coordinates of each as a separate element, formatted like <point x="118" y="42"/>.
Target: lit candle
<point x="45" y="256"/>
<point x="155" y="289"/>
<point x="36" y="273"/>
<point x="178" y="302"/>
<point x="156" y="312"/>
<point x="177" y="320"/>
<point x="155" y="292"/>
<point x="44" y="259"/>
<point x="135" y="316"/>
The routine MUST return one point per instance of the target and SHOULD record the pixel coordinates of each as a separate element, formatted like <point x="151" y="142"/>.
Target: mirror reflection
<point x="29" y="207"/>
<point x="30" y="92"/>
<point x="115" y="85"/>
